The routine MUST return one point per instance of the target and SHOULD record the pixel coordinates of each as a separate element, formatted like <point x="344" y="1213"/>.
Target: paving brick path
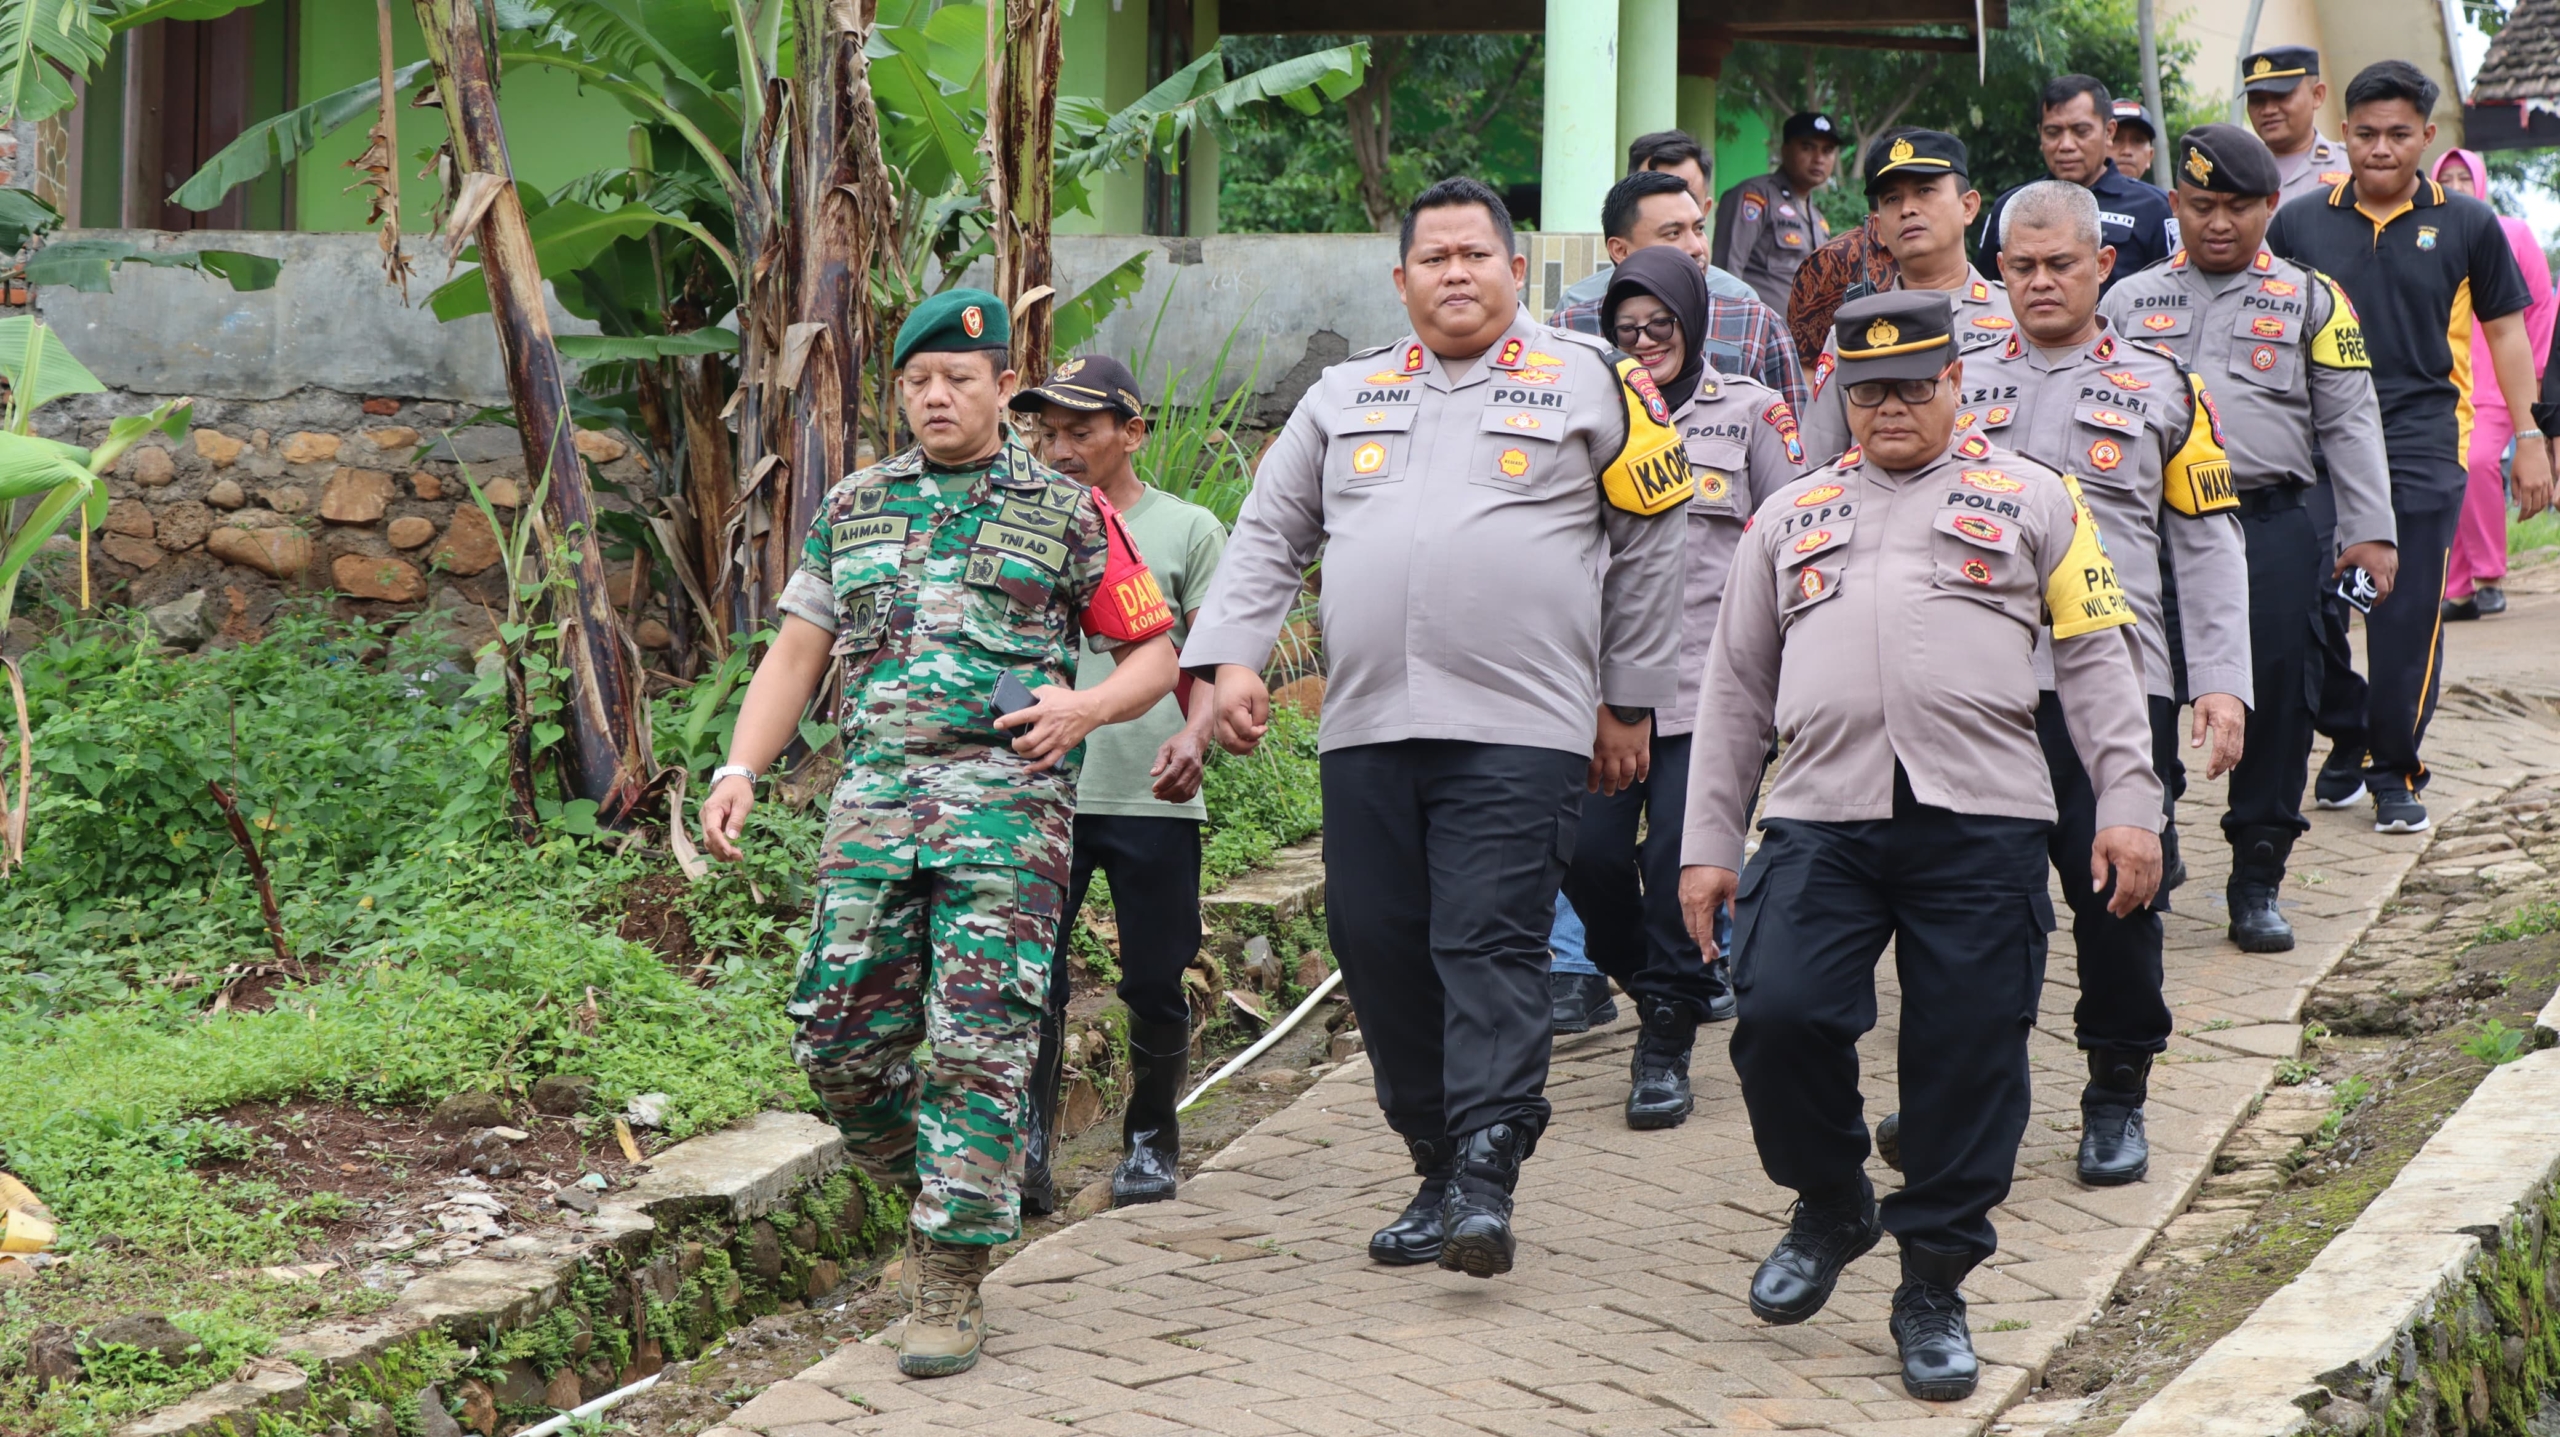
<point x="1250" y="1307"/>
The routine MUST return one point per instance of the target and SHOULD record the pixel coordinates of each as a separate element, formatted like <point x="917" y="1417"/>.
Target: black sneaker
<point x="2341" y="781"/>
<point x="1822" y="1239"/>
<point x="2397" y="810"/>
<point x="2456" y="611"/>
<point x="1581" y="1000"/>
<point x="2491" y="599"/>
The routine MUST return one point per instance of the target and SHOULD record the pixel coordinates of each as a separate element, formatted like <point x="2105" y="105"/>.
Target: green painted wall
<point x="554" y="133"/>
<point x="1103" y="56"/>
<point x="1742" y="147"/>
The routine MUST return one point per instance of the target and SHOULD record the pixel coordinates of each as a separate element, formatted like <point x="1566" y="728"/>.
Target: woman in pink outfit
<point x="2479" y="561"/>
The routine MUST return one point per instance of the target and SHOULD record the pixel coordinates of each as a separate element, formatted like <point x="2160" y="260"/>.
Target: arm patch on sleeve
<point x="2081" y="595"/>
<point x="2197" y="479"/>
<point x="1651" y="471"/>
<point x="2339" y="344"/>
<point x="1128" y="607"/>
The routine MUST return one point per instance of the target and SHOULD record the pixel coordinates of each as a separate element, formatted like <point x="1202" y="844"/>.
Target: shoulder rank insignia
<point x="1850" y="458"/>
<point x="2106" y="349"/>
<point x="1975" y="447"/>
<point x="2012" y="349"/>
<point x="1414" y="358"/>
<point x="1509" y="357"/>
<point x="2265" y="263"/>
<point x="1980" y="293"/>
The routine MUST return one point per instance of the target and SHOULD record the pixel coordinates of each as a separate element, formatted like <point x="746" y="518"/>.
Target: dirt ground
<point x="2169" y="1309"/>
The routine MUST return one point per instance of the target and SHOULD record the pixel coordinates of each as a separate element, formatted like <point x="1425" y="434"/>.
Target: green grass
<point x="2542" y="531"/>
<point x="1263" y="802"/>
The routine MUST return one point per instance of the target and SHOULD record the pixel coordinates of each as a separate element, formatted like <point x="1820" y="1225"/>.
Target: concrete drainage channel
<point x="2437" y="1312"/>
<point x="722" y="1226"/>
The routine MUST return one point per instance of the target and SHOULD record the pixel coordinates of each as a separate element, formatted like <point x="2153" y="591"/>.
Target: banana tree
<point x="45" y="484"/>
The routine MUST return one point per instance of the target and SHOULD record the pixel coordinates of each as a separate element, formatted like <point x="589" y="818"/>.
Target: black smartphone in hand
<point x="1013" y="696"/>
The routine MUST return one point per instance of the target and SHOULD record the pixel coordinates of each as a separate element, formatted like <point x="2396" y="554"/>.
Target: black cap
<point x="1091" y="382"/>
<point x="2227" y="160"/>
<point x="2131" y="112"/>
<point x="1810" y="125"/>
<point x="2278" y="68"/>
<point x="1914" y="152"/>
<point x="1899" y="334"/>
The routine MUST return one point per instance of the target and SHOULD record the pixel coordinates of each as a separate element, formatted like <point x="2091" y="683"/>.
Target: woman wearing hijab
<point x="2479" y="562"/>
<point x="1741" y="442"/>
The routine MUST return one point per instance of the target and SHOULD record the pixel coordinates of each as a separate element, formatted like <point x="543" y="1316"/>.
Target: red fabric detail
<point x="1128" y="607"/>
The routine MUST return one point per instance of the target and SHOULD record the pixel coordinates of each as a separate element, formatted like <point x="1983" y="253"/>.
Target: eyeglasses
<point x="1660" y="329"/>
<point x="1867" y="394"/>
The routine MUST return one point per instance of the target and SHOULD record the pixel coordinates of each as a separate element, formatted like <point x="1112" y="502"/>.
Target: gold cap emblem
<point x="1901" y="151"/>
<point x="1882" y="334"/>
<point x="2199" y="166"/>
<point x="1070" y="369"/>
<point x="2263" y="66"/>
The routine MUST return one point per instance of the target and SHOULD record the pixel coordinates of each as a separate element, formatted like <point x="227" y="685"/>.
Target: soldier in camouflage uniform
<point x="932" y="576"/>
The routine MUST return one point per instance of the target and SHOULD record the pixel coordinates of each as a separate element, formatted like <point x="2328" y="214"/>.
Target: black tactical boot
<point x="1824" y="1236"/>
<point x="1721" y="1001"/>
<point x="1658" y="1074"/>
<point x="1414" y="1237"/>
<point x="1040" y="1106"/>
<point x="1150" y="1135"/>
<point x="1477" y="1215"/>
<point x="2257" y="869"/>
<point x="1938" y="1364"/>
<point x="1579" y="1002"/>
<point x="2113" y="1150"/>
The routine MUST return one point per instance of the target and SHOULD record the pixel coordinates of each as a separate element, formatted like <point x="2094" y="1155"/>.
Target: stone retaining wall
<point x="320" y="490"/>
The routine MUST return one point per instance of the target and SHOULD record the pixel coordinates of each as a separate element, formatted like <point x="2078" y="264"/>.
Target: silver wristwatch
<point x="726" y="769"/>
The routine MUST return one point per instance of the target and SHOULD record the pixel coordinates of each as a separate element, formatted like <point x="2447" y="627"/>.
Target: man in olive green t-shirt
<point x="1138" y="808"/>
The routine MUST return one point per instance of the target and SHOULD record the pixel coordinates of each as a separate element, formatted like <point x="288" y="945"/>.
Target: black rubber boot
<point x="1824" y="1236"/>
<point x="1477" y="1215"/>
<point x="1658" y="1074"/>
<point x="2257" y="870"/>
<point x="1721" y="1000"/>
<point x="1040" y="1106"/>
<point x="1938" y="1364"/>
<point x="1150" y="1135"/>
<point x="2113" y="1149"/>
<point x="1414" y="1237"/>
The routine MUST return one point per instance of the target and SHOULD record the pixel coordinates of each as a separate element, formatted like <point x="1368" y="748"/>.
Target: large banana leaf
<point x="931" y="138"/>
<point x="269" y="144"/>
<point x="22" y="217"/>
<point x="39" y="41"/>
<point x="39" y="369"/>
<point x="1199" y="93"/>
<point x="566" y="237"/>
<point x="1077" y="319"/>
<point x="89" y="265"/>
<point x="32" y="465"/>
<point x="603" y="348"/>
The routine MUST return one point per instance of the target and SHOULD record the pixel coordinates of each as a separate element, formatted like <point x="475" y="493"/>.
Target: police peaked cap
<point x="1915" y="152"/>
<point x="1899" y="334"/>
<point x="2278" y="68"/>
<point x="2227" y="159"/>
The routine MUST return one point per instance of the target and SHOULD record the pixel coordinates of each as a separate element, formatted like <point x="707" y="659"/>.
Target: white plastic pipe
<point x="606" y="1403"/>
<point x="1237" y="1062"/>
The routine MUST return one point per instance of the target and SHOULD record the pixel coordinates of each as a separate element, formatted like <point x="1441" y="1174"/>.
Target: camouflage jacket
<point x="936" y="583"/>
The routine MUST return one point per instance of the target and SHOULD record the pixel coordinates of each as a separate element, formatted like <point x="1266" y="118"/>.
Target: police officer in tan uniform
<point x="1741" y="443"/>
<point x="2289" y="373"/>
<point x="2285" y="92"/>
<point x="1497" y="507"/>
<point x="2136" y="427"/>
<point x="1766" y="225"/>
<point x="1924" y="202"/>
<point x="1910" y="807"/>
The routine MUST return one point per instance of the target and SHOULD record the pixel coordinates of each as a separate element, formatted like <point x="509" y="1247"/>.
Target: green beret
<point x="955" y="320"/>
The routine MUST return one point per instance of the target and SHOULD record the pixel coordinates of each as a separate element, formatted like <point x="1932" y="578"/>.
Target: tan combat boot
<point x="946" y="1319"/>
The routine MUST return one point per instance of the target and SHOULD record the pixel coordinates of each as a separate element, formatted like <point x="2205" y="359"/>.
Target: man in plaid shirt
<point x="1744" y="336"/>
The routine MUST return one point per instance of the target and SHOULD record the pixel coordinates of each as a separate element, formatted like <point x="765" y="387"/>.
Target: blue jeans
<point x="1566" y="941"/>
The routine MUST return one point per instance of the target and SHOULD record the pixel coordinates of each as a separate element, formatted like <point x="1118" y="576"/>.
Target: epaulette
<point x="1588" y="341"/>
<point x="1371" y="352"/>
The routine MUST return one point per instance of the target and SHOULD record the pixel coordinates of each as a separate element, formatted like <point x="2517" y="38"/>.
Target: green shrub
<point x="1263" y="802"/>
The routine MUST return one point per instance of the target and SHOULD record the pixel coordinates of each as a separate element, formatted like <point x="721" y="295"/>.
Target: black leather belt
<point x="2274" y="498"/>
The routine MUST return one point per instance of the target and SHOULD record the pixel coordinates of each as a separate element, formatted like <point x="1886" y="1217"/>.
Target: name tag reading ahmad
<point x="871" y="529"/>
<point x="1050" y="554"/>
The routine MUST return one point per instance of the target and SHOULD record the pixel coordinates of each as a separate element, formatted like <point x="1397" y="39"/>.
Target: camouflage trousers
<point x="918" y="1006"/>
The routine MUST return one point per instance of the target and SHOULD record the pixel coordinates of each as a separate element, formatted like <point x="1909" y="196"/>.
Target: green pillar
<point x="1579" y="157"/>
<point x="1698" y="115"/>
<point x="1746" y="154"/>
<point x="1648" y="68"/>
